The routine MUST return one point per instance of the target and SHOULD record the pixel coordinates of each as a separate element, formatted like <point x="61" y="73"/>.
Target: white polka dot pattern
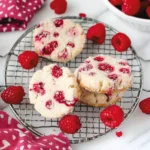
<point x="15" y="12"/>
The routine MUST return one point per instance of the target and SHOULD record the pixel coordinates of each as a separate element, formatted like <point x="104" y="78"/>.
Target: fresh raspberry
<point x="71" y="44"/>
<point x="28" y="59"/>
<point x="112" y="116"/>
<point x="131" y="7"/>
<point x="99" y="58"/>
<point x="38" y="88"/>
<point x="59" y="23"/>
<point x="57" y="71"/>
<point x="148" y="11"/>
<point x="59" y="96"/>
<point x="97" y="33"/>
<point x="113" y="76"/>
<point x="13" y="95"/>
<point x="49" y="104"/>
<point x="119" y="134"/>
<point x="56" y="34"/>
<point x="116" y="2"/>
<point x="124" y="70"/>
<point x="123" y="63"/>
<point x="87" y="68"/>
<point x="121" y="42"/>
<point x="50" y="47"/>
<point x="59" y="6"/>
<point x="42" y="35"/>
<point x="82" y="15"/>
<point x="63" y="54"/>
<point x="145" y="105"/>
<point x="70" y="124"/>
<point x="105" y="67"/>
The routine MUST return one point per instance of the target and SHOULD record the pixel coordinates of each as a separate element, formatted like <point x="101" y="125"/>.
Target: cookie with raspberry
<point x="54" y="91"/>
<point x="98" y="99"/>
<point x="59" y="40"/>
<point x="104" y="74"/>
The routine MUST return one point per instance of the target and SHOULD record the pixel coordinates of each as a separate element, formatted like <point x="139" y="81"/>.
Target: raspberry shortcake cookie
<point x="59" y="40"/>
<point x="98" y="99"/>
<point x="53" y="91"/>
<point x="104" y="74"/>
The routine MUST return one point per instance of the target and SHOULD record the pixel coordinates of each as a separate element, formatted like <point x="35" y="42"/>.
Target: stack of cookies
<point x="103" y="79"/>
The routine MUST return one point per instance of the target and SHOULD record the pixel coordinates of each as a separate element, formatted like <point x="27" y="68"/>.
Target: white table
<point x="136" y="130"/>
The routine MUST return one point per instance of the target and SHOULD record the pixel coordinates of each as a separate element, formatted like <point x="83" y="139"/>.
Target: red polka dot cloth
<point x="15" y="14"/>
<point x="13" y="136"/>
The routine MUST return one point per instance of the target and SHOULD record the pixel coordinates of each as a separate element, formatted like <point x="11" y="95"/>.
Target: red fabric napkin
<point x="15" y="14"/>
<point x="13" y="136"/>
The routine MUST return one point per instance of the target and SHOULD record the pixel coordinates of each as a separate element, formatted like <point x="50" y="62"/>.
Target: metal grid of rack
<point x="92" y="127"/>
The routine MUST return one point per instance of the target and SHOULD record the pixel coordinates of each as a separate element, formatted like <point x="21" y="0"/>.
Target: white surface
<point x="136" y="130"/>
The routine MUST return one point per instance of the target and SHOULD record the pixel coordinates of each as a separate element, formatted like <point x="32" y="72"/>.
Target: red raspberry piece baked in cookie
<point x="50" y="47"/>
<point x="56" y="71"/>
<point x="49" y="40"/>
<point x="106" y="67"/>
<point x="54" y="91"/>
<point x="112" y="116"/>
<point x="38" y="88"/>
<point x="104" y="74"/>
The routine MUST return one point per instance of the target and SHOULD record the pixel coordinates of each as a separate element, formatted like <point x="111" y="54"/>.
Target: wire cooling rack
<point x="92" y="127"/>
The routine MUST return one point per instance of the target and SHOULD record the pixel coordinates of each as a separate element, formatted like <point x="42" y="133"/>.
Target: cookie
<point x="59" y="40"/>
<point x="53" y="91"/>
<point x="98" y="99"/>
<point x="104" y="74"/>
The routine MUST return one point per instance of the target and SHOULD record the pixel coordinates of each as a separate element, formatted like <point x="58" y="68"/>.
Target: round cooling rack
<point x="92" y="126"/>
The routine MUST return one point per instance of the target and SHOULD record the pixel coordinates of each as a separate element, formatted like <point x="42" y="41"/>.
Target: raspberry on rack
<point x="112" y="116"/>
<point x="13" y="95"/>
<point x="28" y="59"/>
<point x="121" y="42"/>
<point x="70" y="124"/>
<point x="97" y="33"/>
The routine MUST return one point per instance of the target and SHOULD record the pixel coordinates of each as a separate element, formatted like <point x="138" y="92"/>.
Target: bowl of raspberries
<point x="135" y="12"/>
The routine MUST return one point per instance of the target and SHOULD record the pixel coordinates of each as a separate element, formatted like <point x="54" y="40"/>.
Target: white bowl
<point x="134" y="22"/>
